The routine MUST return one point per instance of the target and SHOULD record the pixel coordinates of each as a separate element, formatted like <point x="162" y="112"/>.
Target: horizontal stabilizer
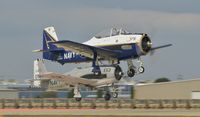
<point x="54" y="50"/>
<point x="38" y="51"/>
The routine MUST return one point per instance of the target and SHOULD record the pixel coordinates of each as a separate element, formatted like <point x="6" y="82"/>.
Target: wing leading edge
<point x="86" y="50"/>
<point x="70" y="80"/>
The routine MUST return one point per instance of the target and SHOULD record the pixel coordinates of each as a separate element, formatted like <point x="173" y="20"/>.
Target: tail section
<point x="42" y="82"/>
<point x="49" y="35"/>
<point x="39" y="68"/>
<point x="50" y="51"/>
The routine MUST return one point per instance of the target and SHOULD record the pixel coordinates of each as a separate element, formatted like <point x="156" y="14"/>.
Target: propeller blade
<point x="159" y="47"/>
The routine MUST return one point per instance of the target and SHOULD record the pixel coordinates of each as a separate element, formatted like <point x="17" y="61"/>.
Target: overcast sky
<point x="169" y="21"/>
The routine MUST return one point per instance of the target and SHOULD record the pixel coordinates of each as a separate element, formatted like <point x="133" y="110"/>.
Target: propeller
<point x="153" y="49"/>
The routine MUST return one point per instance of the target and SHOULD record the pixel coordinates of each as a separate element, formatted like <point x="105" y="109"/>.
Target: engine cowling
<point x="145" y="44"/>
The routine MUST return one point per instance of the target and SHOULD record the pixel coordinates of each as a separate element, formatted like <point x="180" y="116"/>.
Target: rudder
<point x="49" y="35"/>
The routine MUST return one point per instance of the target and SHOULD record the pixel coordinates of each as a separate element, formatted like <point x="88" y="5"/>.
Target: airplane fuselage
<point x="127" y="45"/>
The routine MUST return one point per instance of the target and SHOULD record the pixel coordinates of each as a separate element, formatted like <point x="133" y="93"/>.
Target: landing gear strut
<point x="77" y="94"/>
<point x="131" y="68"/>
<point x="115" y="91"/>
<point x="115" y="95"/>
<point x="141" y="68"/>
<point x="107" y="96"/>
<point x="96" y="69"/>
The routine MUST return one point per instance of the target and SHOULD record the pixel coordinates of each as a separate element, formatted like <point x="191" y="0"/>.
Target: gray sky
<point x="172" y="21"/>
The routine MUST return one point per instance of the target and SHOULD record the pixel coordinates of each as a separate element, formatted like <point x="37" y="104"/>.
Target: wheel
<point x="141" y="69"/>
<point x="107" y="96"/>
<point x="115" y="95"/>
<point x="78" y="99"/>
<point x="131" y="72"/>
<point x="118" y="72"/>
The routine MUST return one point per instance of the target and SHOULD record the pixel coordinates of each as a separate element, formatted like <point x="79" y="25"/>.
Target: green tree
<point x="162" y="80"/>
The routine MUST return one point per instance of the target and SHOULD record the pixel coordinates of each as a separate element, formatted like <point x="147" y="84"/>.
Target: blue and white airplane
<point x="115" y="46"/>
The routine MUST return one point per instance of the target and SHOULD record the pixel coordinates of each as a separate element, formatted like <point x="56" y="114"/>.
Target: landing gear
<point x="78" y="99"/>
<point x="97" y="73"/>
<point x="107" y="96"/>
<point x="114" y="91"/>
<point x="141" y="69"/>
<point x="131" y="72"/>
<point x="118" y="72"/>
<point x="96" y="69"/>
<point x="77" y="94"/>
<point x="132" y="69"/>
<point x="115" y="94"/>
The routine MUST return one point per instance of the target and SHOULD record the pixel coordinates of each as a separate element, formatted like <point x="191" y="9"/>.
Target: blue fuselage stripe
<point x="70" y="57"/>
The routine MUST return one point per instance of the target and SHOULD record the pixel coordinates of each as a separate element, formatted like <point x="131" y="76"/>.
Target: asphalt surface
<point x="180" y="112"/>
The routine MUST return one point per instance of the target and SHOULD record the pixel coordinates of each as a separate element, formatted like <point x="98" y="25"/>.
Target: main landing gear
<point x="114" y="91"/>
<point x="109" y="94"/>
<point x="96" y="69"/>
<point x="132" y="70"/>
<point x="77" y="94"/>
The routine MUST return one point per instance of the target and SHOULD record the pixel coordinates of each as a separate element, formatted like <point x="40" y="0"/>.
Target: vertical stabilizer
<point x="49" y="35"/>
<point x="39" y="68"/>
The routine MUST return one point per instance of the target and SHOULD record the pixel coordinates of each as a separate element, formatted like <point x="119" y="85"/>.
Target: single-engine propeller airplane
<point x="81" y="76"/>
<point x="115" y="46"/>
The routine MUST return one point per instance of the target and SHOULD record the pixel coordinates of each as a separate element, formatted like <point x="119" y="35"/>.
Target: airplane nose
<point x="146" y="44"/>
<point x="149" y="44"/>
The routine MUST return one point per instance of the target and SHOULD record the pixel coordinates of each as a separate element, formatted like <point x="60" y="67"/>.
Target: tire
<point x="78" y="99"/>
<point x="107" y="96"/>
<point x="118" y="72"/>
<point x="115" y="95"/>
<point x="141" y="69"/>
<point x="131" y="72"/>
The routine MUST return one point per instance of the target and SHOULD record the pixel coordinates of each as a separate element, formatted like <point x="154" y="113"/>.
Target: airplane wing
<point x="70" y="80"/>
<point x="87" y="50"/>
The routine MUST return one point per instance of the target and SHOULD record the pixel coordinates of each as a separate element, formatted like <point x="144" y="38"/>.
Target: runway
<point x="166" y="112"/>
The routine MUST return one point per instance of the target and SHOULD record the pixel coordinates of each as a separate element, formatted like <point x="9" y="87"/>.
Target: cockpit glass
<point x="111" y="32"/>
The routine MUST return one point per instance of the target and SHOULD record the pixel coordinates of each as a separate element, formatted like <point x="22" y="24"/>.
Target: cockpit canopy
<point x="112" y="32"/>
